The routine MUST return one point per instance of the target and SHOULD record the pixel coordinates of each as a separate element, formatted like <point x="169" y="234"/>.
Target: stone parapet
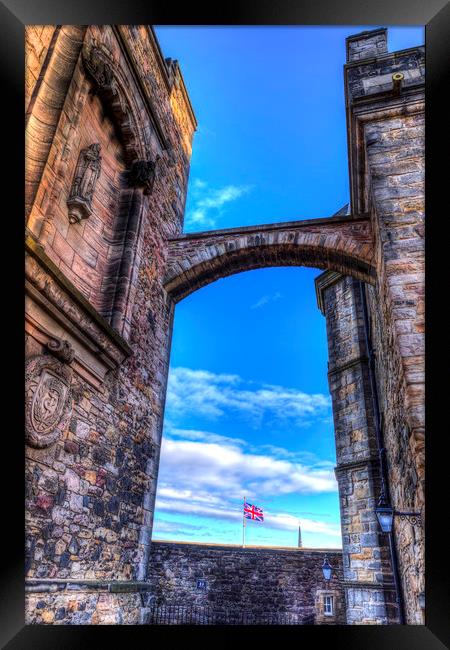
<point x="256" y="579"/>
<point x="340" y="243"/>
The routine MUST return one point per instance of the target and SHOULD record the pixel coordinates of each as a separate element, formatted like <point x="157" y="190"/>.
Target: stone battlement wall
<point x="271" y="579"/>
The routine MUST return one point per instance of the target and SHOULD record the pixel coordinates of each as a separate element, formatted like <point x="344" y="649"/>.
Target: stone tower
<point x="376" y="334"/>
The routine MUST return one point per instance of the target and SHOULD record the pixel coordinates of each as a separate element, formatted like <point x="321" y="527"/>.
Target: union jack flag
<point x="252" y="512"/>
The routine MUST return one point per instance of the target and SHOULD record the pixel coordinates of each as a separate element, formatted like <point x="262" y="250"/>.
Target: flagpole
<point x="243" y="525"/>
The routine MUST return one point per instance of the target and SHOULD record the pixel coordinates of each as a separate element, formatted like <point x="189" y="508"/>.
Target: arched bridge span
<point x="342" y="244"/>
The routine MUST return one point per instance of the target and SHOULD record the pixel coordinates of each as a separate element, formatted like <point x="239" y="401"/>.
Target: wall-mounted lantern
<point x="326" y="569"/>
<point x="385" y="515"/>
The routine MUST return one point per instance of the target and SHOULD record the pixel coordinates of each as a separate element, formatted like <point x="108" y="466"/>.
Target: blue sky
<point x="248" y="409"/>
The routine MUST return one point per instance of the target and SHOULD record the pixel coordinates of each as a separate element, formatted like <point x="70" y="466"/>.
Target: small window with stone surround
<point x="328" y="605"/>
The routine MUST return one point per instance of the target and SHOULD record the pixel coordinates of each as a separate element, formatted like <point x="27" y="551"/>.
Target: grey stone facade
<point x="387" y="124"/>
<point x="368" y="580"/>
<point x="255" y="579"/>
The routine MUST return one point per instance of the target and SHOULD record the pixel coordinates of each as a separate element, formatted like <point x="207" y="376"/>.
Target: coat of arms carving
<point x="48" y="400"/>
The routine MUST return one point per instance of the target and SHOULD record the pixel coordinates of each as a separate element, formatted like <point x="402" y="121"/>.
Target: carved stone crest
<point x="48" y="401"/>
<point x="83" y="185"/>
<point x="142" y="174"/>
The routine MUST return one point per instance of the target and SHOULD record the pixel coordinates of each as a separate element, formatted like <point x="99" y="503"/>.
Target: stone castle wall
<point x="265" y="580"/>
<point x="37" y="43"/>
<point x="97" y="284"/>
<point x="392" y="137"/>
<point x="367" y="570"/>
<point x="397" y="326"/>
<point x="386" y="150"/>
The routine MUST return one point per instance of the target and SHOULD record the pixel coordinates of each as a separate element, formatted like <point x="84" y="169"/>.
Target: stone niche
<point x="87" y="224"/>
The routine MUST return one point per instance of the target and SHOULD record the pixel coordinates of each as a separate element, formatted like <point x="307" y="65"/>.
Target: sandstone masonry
<point x="97" y="285"/>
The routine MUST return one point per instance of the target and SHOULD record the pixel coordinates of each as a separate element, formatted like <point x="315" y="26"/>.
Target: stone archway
<point x="335" y="243"/>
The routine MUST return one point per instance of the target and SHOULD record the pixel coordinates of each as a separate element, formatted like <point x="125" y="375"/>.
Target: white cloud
<point x="200" y="392"/>
<point x="305" y="457"/>
<point x="187" y="494"/>
<point x="204" y="436"/>
<point x="203" y="130"/>
<point x="228" y="469"/>
<point x="209" y="202"/>
<point x="163" y="526"/>
<point x="266" y="299"/>
<point x="204" y="474"/>
<point x="199" y="184"/>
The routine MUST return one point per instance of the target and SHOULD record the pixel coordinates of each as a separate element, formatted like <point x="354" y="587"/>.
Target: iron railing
<point x="174" y="614"/>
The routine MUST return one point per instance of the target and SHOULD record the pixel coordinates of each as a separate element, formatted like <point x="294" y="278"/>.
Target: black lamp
<point x="385" y="514"/>
<point x="326" y="568"/>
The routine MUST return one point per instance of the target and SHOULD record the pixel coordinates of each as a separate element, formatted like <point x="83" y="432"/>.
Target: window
<point x="328" y="605"/>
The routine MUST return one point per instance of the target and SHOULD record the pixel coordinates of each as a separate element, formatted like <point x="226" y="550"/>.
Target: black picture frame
<point x="435" y="15"/>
